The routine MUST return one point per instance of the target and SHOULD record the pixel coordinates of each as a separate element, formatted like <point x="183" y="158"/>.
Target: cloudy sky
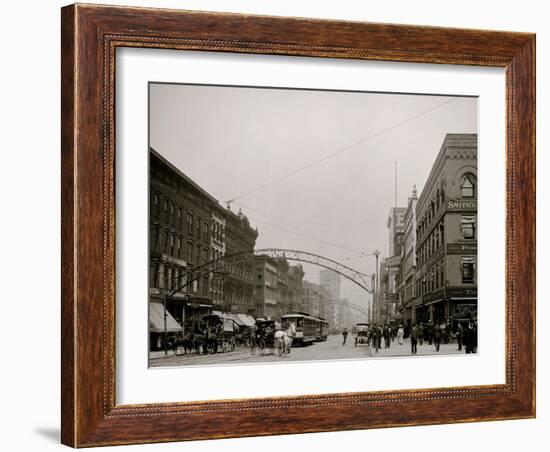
<point x="313" y="170"/>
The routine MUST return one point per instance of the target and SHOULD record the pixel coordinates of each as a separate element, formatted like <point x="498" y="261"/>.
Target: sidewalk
<point x="423" y="350"/>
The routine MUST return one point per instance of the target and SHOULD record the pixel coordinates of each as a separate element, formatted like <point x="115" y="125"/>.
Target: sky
<point x="312" y="170"/>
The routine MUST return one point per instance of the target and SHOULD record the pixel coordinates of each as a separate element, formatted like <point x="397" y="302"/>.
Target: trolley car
<point x="307" y="327"/>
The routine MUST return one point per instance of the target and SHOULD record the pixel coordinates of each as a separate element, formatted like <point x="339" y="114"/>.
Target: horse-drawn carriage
<point x="362" y="334"/>
<point x="264" y="335"/>
<point x="220" y="333"/>
<point x="271" y="334"/>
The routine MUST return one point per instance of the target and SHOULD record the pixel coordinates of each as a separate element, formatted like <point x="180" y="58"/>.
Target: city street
<point x="331" y="349"/>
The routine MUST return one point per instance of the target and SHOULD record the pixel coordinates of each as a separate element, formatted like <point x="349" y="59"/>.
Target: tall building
<point x="314" y="299"/>
<point x="238" y="281"/>
<point x="389" y="294"/>
<point x="330" y="281"/>
<point x="266" y="294"/>
<point x="188" y="229"/>
<point x="408" y="261"/>
<point x="179" y="243"/>
<point x="446" y="277"/>
<point x="295" y="288"/>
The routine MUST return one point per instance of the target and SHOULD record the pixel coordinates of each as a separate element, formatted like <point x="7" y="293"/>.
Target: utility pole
<point x="376" y="286"/>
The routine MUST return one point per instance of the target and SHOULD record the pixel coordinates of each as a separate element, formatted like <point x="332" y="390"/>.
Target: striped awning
<point x="156" y="320"/>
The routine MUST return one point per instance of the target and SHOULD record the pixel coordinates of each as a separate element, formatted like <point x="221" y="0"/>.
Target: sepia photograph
<point x="293" y="225"/>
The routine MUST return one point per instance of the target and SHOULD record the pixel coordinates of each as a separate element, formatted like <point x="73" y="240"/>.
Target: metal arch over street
<point x="349" y="273"/>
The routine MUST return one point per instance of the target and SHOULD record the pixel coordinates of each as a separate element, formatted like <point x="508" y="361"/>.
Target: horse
<point x="283" y="339"/>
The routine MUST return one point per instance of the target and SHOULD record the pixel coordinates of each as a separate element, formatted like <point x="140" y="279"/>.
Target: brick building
<point x="266" y="295"/>
<point x="446" y="277"/>
<point x="238" y="283"/>
<point x="179" y="242"/>
<point x="408" y="262"/>
<point x="187" y="229"/>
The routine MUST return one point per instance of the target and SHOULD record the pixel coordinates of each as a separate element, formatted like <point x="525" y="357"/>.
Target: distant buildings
<point x="315" y="298"/>
<point x="330" y="282"/>
<point x="267" y="293"/>
<point x="431" y="274"/>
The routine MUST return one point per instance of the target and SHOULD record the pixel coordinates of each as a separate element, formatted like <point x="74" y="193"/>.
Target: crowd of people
<point x="383" y="335"/>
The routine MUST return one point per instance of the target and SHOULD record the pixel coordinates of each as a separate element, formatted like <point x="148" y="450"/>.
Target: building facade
<point x="389" y="293"/>
<point x="188" y="230"/>
<point x="446" y="277"/>
<point x="266" y="294"/>
<point x="330" y="281"/>
<point x="407" y="278"/>
<point x="179" y="243"/>
<point x="239" y="282"/>
<point x="314" y="299"/>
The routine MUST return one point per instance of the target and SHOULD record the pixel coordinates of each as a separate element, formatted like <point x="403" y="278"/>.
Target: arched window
<point x="468" y="186"/>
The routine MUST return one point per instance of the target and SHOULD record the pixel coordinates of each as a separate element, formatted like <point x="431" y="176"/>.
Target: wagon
<point x="362" y="335"/>
<point x="221" y="332"/>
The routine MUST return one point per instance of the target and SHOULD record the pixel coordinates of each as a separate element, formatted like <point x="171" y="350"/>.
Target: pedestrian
<point x="429" y="332"/>
<point x="386" y="333"/>
<point x="400" y="334"/>
<point x="448" y="331"/>
<point x="437" y="336"/>
<point x="470" y="338"/>
<point x="345" y="334"/>
<point x="414" y="339"/>
<point x="376" y="336"/>
<point x="459" y="335"/>
<point x="420" y="333"/>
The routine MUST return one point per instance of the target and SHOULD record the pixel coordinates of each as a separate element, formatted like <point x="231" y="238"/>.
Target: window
<point x="171" y="246"/>
<point x="190" y="222"/>
<point x="190" y="253"/>
<point x="468" y="269"/>
<point x="165" y="209"/>
<point x="468" y="186"/>
<point x="172" y="216"/>
<point x="166" y="242"/>
<point x="179" y="218"/>
<point x="156" y="239"/>
<point x="156" y="204"/>
<point x="468" y="227"/>
<point x="178" y="248"/>
<point x="205" y="235"/>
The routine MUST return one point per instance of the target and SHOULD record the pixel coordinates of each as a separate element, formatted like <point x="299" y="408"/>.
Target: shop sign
<point x="462" y="205"/>
<point x="462" y="248"/>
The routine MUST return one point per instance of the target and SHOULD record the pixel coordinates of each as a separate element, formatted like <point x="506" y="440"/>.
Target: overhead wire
<point x="340" y="151"/>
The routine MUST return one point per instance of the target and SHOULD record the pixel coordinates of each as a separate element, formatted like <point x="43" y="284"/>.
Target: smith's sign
<point x="462" y="205"/>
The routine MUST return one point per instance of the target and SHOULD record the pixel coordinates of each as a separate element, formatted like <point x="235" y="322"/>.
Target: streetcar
<point x="306" y="327"/>
<point x="322" y="329"/>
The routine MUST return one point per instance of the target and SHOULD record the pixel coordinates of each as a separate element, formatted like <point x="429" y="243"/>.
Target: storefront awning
<point x="156" y="320"/>
<point x="247" y="320"/>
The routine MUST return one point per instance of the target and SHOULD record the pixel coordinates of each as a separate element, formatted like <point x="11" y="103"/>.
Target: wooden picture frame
<point x="90" y="36"/>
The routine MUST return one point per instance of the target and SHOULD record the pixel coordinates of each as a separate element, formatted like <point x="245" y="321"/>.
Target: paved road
<point x="331" y="349"/>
